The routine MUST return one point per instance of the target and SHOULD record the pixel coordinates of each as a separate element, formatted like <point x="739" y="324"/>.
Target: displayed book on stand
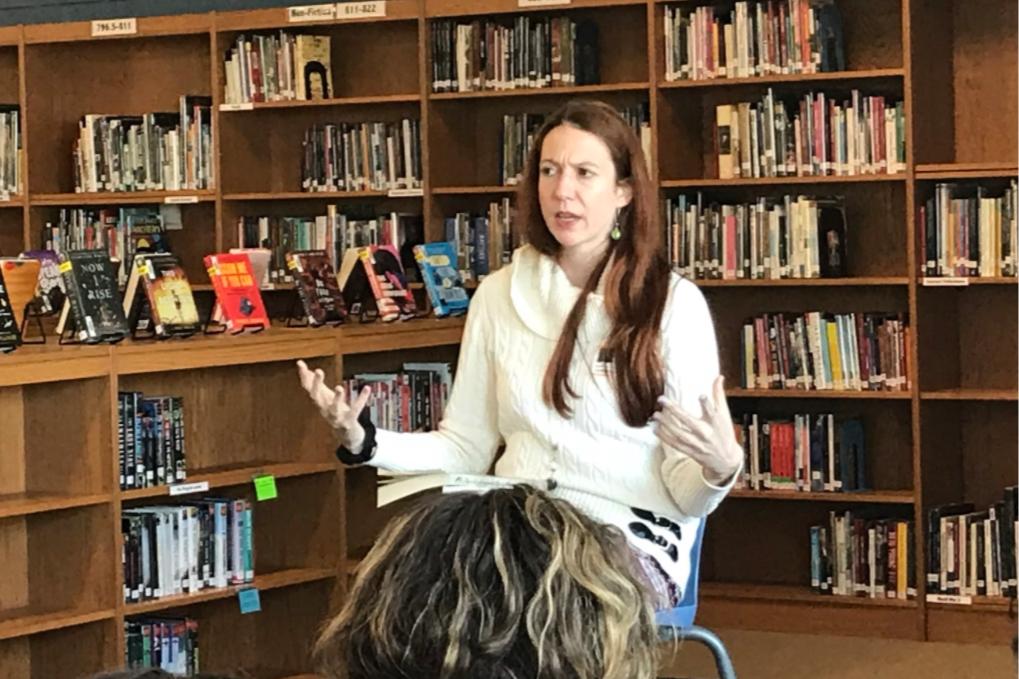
<point x="158" y="301"/>
<point x="317" y="289"/>
<point x="438" y="265"/>
<point x="374" y="285"/>
<point x="239" y="303"/>
<point x="93" y="306"/>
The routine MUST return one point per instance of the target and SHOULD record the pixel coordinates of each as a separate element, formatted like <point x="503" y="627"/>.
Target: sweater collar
<point x="543" y="296"/>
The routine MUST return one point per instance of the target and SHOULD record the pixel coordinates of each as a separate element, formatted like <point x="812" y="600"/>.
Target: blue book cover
<point x="442" y="279"/>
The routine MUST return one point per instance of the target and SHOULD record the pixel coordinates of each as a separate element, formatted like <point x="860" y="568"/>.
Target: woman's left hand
<point x="710" y="439"/>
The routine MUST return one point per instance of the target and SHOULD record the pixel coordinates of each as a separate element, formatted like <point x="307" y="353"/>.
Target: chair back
<point x="682" y="616"/>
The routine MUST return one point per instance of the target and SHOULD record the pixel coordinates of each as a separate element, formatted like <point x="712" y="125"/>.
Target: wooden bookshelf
<point x="951" y="436"/>
<point x="254" y="420"/>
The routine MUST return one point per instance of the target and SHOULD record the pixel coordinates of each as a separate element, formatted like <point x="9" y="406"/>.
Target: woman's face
<point x="578" y="190"/>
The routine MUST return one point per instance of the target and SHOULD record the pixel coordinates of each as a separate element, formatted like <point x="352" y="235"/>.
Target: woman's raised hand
<point x="333" y="406"/>
<point x="709" y="439"/>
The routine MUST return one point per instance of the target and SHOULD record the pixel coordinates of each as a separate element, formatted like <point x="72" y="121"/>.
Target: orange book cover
<point x="237" y="294"/>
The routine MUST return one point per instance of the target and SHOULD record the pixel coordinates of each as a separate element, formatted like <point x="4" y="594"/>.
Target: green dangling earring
<point x="615" y="235"/>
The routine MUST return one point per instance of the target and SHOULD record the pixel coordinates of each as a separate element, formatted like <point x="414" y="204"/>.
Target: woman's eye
<point x="547" y="171"/>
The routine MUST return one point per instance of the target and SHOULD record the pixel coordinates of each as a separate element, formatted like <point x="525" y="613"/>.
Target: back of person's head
<point x="508" y="584"/>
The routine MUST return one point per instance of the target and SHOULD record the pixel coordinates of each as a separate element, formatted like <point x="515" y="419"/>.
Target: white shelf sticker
<point x="360" y="10"/>
<point x="945" y="282"/>
<point x="180" y="200"/>
<point x="949" y="599"/>
<point x="245" y="106"/>
<point x="188" y="488"/>
<point x="306" y="13"/>
<point x="102" y="28"/>
<point x="405" y="193"/>
<point x="541" y="3"/>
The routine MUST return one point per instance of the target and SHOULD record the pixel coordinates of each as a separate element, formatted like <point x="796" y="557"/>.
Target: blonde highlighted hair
<point x="508" y="584"/>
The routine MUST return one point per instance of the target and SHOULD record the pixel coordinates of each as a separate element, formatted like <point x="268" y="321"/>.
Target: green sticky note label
<point x="265" y="487"/>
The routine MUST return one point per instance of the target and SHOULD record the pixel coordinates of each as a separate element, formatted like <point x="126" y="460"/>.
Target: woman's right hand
<point x="334" y="408"/>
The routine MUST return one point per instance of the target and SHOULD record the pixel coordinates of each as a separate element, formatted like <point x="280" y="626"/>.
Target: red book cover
<point x="237" y="294"/>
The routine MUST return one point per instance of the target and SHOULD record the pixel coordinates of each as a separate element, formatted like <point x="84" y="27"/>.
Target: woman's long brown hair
<point x="637" y="280"/>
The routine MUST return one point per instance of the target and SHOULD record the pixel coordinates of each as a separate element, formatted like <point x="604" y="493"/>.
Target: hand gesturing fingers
<point x="708" y="439"/>
<point x="332" y="404"/>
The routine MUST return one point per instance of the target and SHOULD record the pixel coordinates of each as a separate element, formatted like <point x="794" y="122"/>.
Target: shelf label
<point x="245" y="106"/>
<point x="265" y="488"/>
<point x="180" y="200"/>
<point x="305" y="13"/>
<point x="360" y="10"/>
<point x="405" y="193"/>
<point x="541" y="3"/>
<point x="188" y="488"/>
<point x="945" y="282"/>
<point x="250" y="600"/>
<point x="949" y="599"/>
<point x="103" y="28"/>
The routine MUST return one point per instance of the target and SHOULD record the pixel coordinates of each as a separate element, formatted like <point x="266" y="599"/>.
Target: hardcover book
<point x="438" y="265"/>
<point x="90" y="278"/>
<point x="10" y="331"/>
<point x="21" y="277"/>
<point x="49" y="294"/>
<point x="168" y="292"/>
<point x="317" y="286"/>
<point x="373" y="276"/>
<point x="238" y="300"/>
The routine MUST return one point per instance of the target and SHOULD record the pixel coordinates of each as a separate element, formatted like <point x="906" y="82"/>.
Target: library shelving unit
<point x="950" y="437"/>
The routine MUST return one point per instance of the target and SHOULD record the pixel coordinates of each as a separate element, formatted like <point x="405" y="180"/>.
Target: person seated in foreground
<point x="507" y="584"/>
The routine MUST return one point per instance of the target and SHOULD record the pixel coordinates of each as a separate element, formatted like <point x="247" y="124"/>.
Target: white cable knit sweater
<point x="600" y="464"/>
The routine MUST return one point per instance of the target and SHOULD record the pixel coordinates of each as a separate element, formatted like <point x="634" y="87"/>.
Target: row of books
<point x="163" y="151"/>
<point x="516" y="138"/>
<point x="369" y="156"/>
<point x="472" y="235"/>
<point x="814" y="453"/>
<point x="410" y="400"/>
<point x="815" y="350"/>
<point x="170" y="644"/>
<point x="967" y="231"/>
<point x="766" y="239"/>
<point x="972" y="552"/>
<point x="281" y="67"/>
<point x="158" y="299"/>
<point x="150" y="436"/>
<point x="334" y="232"/>
<point x="816" y="135"/>
<point x="10" y="151"/>
<point x="863" y="554"/>
<point x="518" y="52"/>
<point x="777" y="37"/>
<point x="184" y="549"/>
<point x="119" y="231"/>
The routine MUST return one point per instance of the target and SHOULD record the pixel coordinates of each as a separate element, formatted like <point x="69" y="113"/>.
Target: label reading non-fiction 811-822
<point x="360" y="10"/>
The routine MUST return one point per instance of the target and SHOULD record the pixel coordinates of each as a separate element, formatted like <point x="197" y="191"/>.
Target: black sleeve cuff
<point x="367" y="447"/>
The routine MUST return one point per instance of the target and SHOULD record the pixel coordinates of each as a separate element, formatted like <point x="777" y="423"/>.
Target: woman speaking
<point x="591" y="361"/>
